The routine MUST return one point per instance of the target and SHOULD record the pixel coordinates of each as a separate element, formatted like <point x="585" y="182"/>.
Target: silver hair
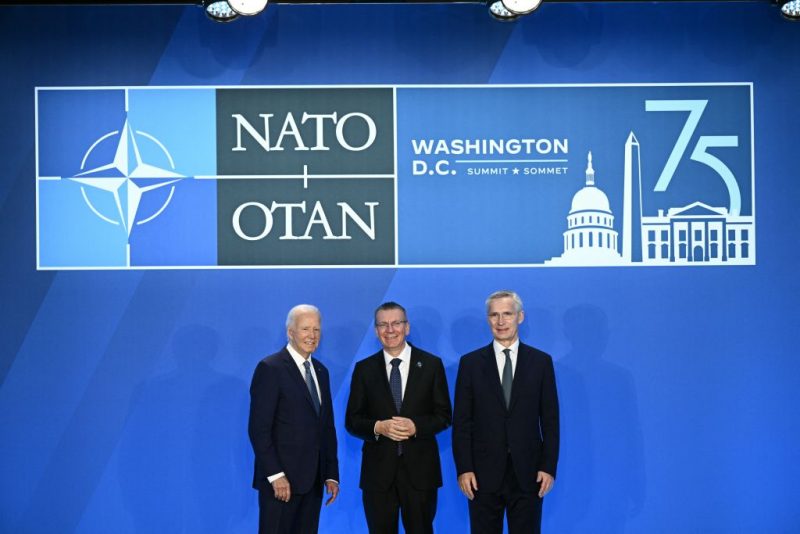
<point x="502" y="294"/>
<point x="299" y="310"/>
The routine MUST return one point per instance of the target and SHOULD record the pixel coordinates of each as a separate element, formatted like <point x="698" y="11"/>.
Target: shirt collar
<point x="498" y="348"/>
<point x="405" y="355"/>
<point x="296" y="356"/>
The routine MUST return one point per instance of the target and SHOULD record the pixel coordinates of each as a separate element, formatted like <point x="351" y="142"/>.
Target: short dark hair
<point x="391" y="305"/>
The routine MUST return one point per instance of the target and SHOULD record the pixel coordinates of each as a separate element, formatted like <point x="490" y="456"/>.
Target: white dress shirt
<point x="299" y="361"/>
<point x="500" y="357"/>
<point x="405" y="364"/>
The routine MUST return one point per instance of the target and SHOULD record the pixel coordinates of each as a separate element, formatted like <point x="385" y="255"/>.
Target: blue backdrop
<point x="123" y="394"/>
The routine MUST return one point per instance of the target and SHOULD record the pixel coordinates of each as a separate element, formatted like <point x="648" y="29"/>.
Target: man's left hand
<point x="546" y="481"/>
<point x="408" y="426"/>
<point x="332" y="489"/>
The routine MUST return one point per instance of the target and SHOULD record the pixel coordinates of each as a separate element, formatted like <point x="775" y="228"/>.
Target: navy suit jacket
<point x="286" y="433"/>
<point x="426" y="401"/>
<point x="485" y="432"/>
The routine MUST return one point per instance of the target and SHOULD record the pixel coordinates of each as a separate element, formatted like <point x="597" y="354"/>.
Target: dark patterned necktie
<point x="396" y="385"/>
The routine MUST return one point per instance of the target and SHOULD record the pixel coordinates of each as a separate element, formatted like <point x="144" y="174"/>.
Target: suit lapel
<point x="323" y="384"/>
<point x="414" y="373"/>
<point x="523" y="367"/>
<point x="380" y="379"/>
<point x="490" y="370"/>
<point x="298" y="377"/>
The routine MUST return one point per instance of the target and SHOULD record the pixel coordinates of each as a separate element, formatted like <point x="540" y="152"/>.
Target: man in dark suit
<point x="292" y="432"/>
<point x="398" y="402"/>
<point x="505" y="425"/>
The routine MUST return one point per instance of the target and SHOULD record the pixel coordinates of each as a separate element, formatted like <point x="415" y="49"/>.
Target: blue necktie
<point x="396" y="385"/>
<point x="312" y="386"/>
<point x="508" y="377"/>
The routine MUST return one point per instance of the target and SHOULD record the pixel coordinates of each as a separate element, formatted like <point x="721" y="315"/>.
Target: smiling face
<point x="391" y="327"/>
<point x="504" y="319"/>
<point x="304" y="333"/>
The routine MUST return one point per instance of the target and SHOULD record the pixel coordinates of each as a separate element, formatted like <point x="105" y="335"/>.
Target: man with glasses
<point x="505" y="425"/>
<point x="398" y="402"/>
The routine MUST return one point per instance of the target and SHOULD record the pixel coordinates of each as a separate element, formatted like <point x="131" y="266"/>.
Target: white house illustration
<point x="697" y="233"/>
<point x="590" y="238"/>
<point x="692" y="234"/>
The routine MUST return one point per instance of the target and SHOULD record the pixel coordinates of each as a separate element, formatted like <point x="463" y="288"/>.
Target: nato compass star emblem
<point x="127" y="177"/>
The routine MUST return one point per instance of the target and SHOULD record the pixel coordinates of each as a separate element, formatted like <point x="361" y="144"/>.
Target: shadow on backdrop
<point x="601" y="482"/>
<point x="180" y="451"/>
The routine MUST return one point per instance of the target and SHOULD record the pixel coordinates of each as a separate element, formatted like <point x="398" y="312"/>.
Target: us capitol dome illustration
<point x="590" y="238"/>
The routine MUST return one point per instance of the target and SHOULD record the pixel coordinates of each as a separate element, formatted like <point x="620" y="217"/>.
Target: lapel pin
<point x="419" y="364"/>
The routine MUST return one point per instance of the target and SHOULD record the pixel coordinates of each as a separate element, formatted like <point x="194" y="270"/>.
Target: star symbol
<point x="127" y="177"/>
<point x="515" y="170"/>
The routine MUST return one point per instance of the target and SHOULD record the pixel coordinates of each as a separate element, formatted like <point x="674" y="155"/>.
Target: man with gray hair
<point x="292" y="431"/>
<point x="505" y="425"/>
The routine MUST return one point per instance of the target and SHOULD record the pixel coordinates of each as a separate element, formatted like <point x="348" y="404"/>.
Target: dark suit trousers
<point x="298" y="516"/>
<point x="416" y="507"/>
<point x="523" y="510"/>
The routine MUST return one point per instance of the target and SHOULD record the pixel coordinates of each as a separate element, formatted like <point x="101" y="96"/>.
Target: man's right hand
<point x="282" y="489"/>
<point x="468" y="484"/>
<point x="392" y="429"/>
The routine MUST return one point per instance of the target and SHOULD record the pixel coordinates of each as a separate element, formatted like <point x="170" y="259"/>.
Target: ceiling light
<point x="219" y="10"/>
<point x="791" y="10"/>
<point x="521" y="7"/>
<point x="248" y="7"/>
<point x="499" y="11"/>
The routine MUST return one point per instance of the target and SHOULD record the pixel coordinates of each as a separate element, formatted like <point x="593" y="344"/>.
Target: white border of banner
<point x="394" y="88"/>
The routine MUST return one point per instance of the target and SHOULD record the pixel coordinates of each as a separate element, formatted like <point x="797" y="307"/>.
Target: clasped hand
<point x="397" y="428"/>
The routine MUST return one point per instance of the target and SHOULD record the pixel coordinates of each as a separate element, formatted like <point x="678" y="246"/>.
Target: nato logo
<point x="126" y="178"/>
<point x="205" y="177"/>
<point x="120" y="178"/>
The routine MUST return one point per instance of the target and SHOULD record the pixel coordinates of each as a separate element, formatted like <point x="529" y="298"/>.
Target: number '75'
<point x="699" y="154"/>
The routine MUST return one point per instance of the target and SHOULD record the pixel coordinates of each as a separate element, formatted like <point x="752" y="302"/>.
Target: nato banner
<point x="395" y="176"/>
